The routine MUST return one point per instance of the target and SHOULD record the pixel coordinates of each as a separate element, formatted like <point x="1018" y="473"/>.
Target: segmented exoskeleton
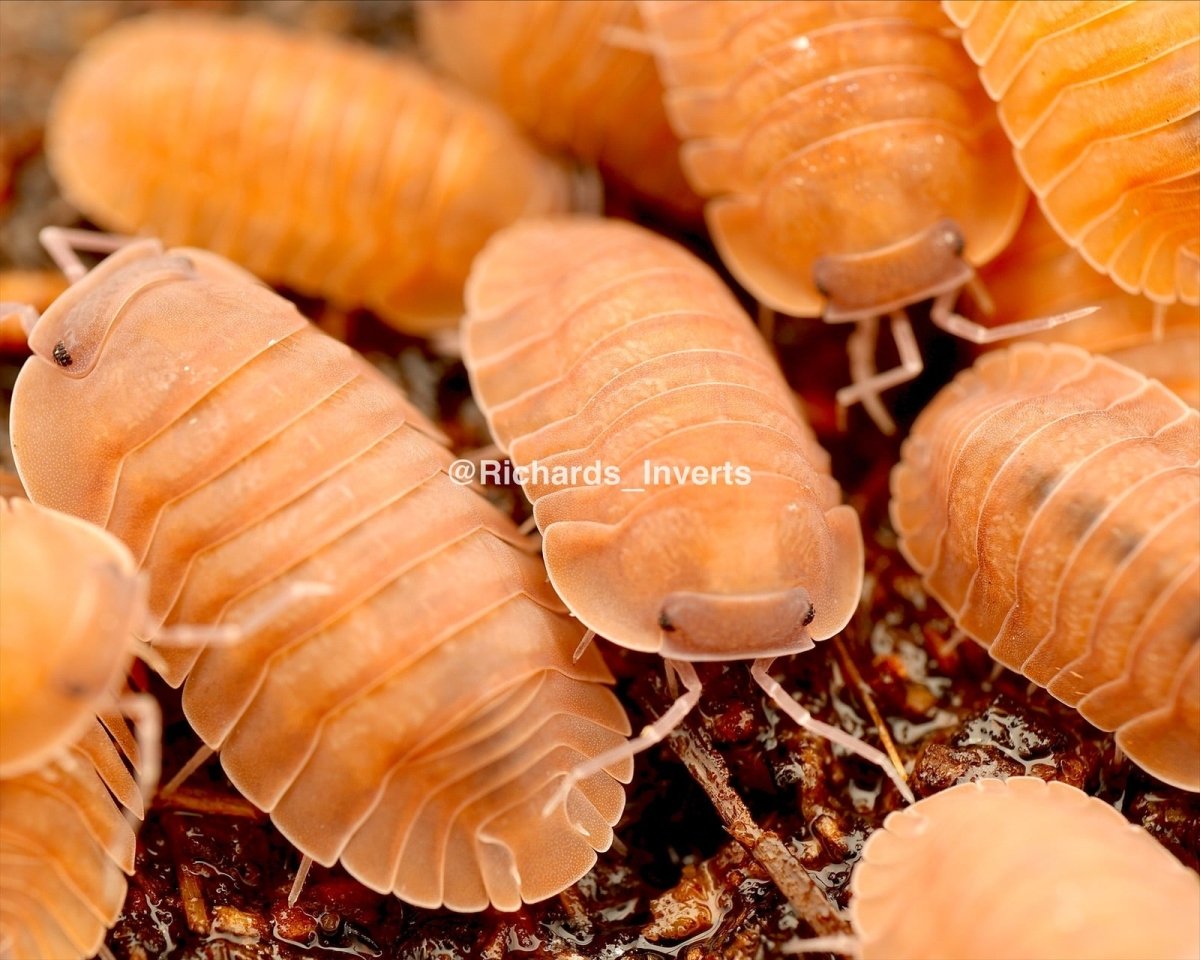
<point x="1050" y="500"/>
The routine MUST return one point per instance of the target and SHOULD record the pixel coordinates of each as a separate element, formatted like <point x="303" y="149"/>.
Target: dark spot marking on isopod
<point x="61" y="355"/>
<point x="811" y="615"/>
<point x="954" y="240"/>
<point x="665" y="622"/>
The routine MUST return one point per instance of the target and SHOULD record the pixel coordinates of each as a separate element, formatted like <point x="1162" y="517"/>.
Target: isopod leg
<point x="195" y="762"/>
<point x="838" y="943"/>
<point x="25" y="314"/>
<point x="301" y="877"/>
<point x="943" y="316"/>
<point x="650" y="735"/>
<point x="1159" y="322"/>
<point x="805" y="720"/>
<point x="143" y="712"/>
<point x="867" y="383"/>
<point x="62" y="242"/>
<point x="227" y="634"/>
<point x="586" y="642"/>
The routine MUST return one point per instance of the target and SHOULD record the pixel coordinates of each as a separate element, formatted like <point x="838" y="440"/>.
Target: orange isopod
<point x="709" y="527"/>
<point x="569" y="72"/>
<point x="1034" y="869"/>
<point x="409" y="719"/>
<point x="853" y="162"/>
<point x="1040" y="275"/>
<point x="1101" y="99"/>
<point x="1050" y="500"/>
<point x="64" y="846"/>
<point x="328" y="167"/>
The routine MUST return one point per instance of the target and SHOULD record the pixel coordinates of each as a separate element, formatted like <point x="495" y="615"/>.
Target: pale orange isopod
<point x="685" y="506"/>
<point x="1034" y="869"/>
<point x="409" y="719"/>
<point x="1050" y="500"/>
<point x="853" y="163"/>
<point x="1101" y="100"/>
<point x="571" y="73"/>
<point x="331" y="168"/>
<point x="70" y="597"/>
<point x="1038" y="275"/>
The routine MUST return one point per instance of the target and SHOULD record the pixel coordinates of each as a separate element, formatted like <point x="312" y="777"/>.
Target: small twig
<point x="695" y="748"/>
<point x="868" y="700"/>
<point x="198" y="800"/>
<point x="195" y="910"/>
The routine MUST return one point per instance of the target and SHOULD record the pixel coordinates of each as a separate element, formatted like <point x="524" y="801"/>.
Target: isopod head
<point x="70" y="598"/>
<point x="774" y="580"/>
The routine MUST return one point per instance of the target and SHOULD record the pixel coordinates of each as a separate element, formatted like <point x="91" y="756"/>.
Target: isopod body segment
<point x="1050" y="500"/>
<point x="1033" y="869"/>
<point x="411" y="717"/>
<point x="1101" y="101"/>
<point x="324" y="166"/>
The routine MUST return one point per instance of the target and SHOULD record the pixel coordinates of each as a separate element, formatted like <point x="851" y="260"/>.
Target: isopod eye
<point x="811" y="615"/>
<point x="953" y="239"/>
<point x="664" y="621"/>
<point x="61" y="355"/>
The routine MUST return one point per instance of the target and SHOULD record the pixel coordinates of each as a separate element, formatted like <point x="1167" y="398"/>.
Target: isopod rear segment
<point x="596" y="342"/>
<point x="409" y="719"/>
<point x="1050" y="499"/>
<point x="331" y="168"/>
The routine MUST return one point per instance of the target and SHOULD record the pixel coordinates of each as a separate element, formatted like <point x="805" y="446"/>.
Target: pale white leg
<point x="446" y="343"/>
<point x="1159" y="322"/>
<point x="146" y="717"/>
<point x="943" y="316"/>
<point x="298" y="884"/>
<point x="867" y="383"/>
<point x="25" y="314"/>
<point x="198" y="759"/>
<point x="649" y="736"/>
<point x="583" y="645"/>
<point x="806" y="721"/>
<point x="228" y="634"/>
<point x="627" y="38"/>
<point x="527" y="527"/>
<point x="62" y="242"/>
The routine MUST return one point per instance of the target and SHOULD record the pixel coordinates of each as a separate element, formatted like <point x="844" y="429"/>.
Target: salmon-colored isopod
<point x="685" y="506"/>
<point x="70" y="596"/>
<point x="1101" y="100"/>
<point x="853" y="163"/>
<point x="329" y="167"/>
<point x="1050" y="499"/>
<point x="566" y="72"/>
<point x="1032" y="869"/>
<point x="409" y="719"/>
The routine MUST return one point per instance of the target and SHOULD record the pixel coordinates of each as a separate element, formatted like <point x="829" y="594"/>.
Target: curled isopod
<point x="403" y="697"/>
<point x="573" y="74"/>
<point x="70" y="597"/>
<point x="1102" y="103"/>
<point x="717" y="532"/>
<point x="1039" y="274"/>
<point x="1050" y="500"/>
<point x="853" y="163"/>
<point x="337" y="170"/>
<point x="1033" y="869"/>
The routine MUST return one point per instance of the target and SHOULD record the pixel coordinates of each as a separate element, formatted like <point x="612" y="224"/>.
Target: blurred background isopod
<point x="333" y="168"/>
<point x="70" y="599"/>
<point x="1050" y="500"/>
<point x="572" y="74"/>
<point x="1102" y="103"/>
<point x="1102" y="887"/>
